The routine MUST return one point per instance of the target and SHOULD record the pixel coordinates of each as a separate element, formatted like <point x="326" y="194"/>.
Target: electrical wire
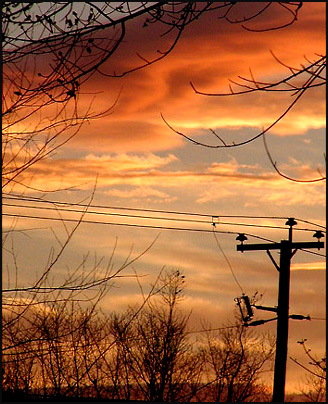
<point x="313" y="252"/>
<point x="106" y="213"/>
<point x="213" y="329"/>
<point x="228" y="262"/>
<point x="38" y="200"/>
<point x="13" y="196"/>
<point x="131" y="225"/>
<point x="308" y="222"/>
<point x="141" y="226"/>
<point x="154" y="217"/>
<point x="117" y="224"/>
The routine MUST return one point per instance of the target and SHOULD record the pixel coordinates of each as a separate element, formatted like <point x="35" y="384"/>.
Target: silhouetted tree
<point x="68" y="349"/>
<point x="157" y="358"/>
<point x="59" y="347"/>
<point x="315" y="379"/>
<point x="235" y="358"/>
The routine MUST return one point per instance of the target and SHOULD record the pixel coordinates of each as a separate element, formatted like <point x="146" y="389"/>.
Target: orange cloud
<point x="309" y="266"/>
<point x="125" y="162"/>
<point x="208" y="58"/>
<point x="125" y="135"/>
<point x="148" y="193"/>
<point x="149" y="172"/>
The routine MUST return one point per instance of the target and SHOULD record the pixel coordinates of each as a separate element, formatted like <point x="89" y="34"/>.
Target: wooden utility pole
<point x="282" y="323"/>
<point x="286" y="254"/>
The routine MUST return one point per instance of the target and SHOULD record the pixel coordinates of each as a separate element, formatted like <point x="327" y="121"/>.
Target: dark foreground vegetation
<point x="9" y="396"/>
<point x="57" y="349"/>
<point x="60" y="350"/>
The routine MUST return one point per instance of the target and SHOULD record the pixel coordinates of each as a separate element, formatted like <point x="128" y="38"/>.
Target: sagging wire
<point x="226" y="258"/>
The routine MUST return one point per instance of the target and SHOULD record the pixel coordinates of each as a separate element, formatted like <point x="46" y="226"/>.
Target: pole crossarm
<point x="277" y="246"/>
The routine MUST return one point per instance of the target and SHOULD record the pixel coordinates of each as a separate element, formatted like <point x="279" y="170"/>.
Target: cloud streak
<point x="150" y="175"/>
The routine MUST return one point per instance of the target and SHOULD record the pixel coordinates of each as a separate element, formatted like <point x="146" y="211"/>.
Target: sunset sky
<point x="137" y="162"/>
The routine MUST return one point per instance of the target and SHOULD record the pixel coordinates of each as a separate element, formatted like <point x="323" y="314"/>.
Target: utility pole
<point x="286" y="254"/>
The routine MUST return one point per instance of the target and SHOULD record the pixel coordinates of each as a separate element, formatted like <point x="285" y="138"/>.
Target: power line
<point x="214" y="329"/>
<point x="107" y="213"/>
<point x="13" y="196"/>
<point x="153" y="217"/>
<point x="313" y="252"/>
<point x="142" y="226"/>
<point x="117" y="224"/>
<point x="307" y="221"/>
<point x="38" y="200"/>
<point x="228" y="262"/>
<point x="130" y="225"/>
